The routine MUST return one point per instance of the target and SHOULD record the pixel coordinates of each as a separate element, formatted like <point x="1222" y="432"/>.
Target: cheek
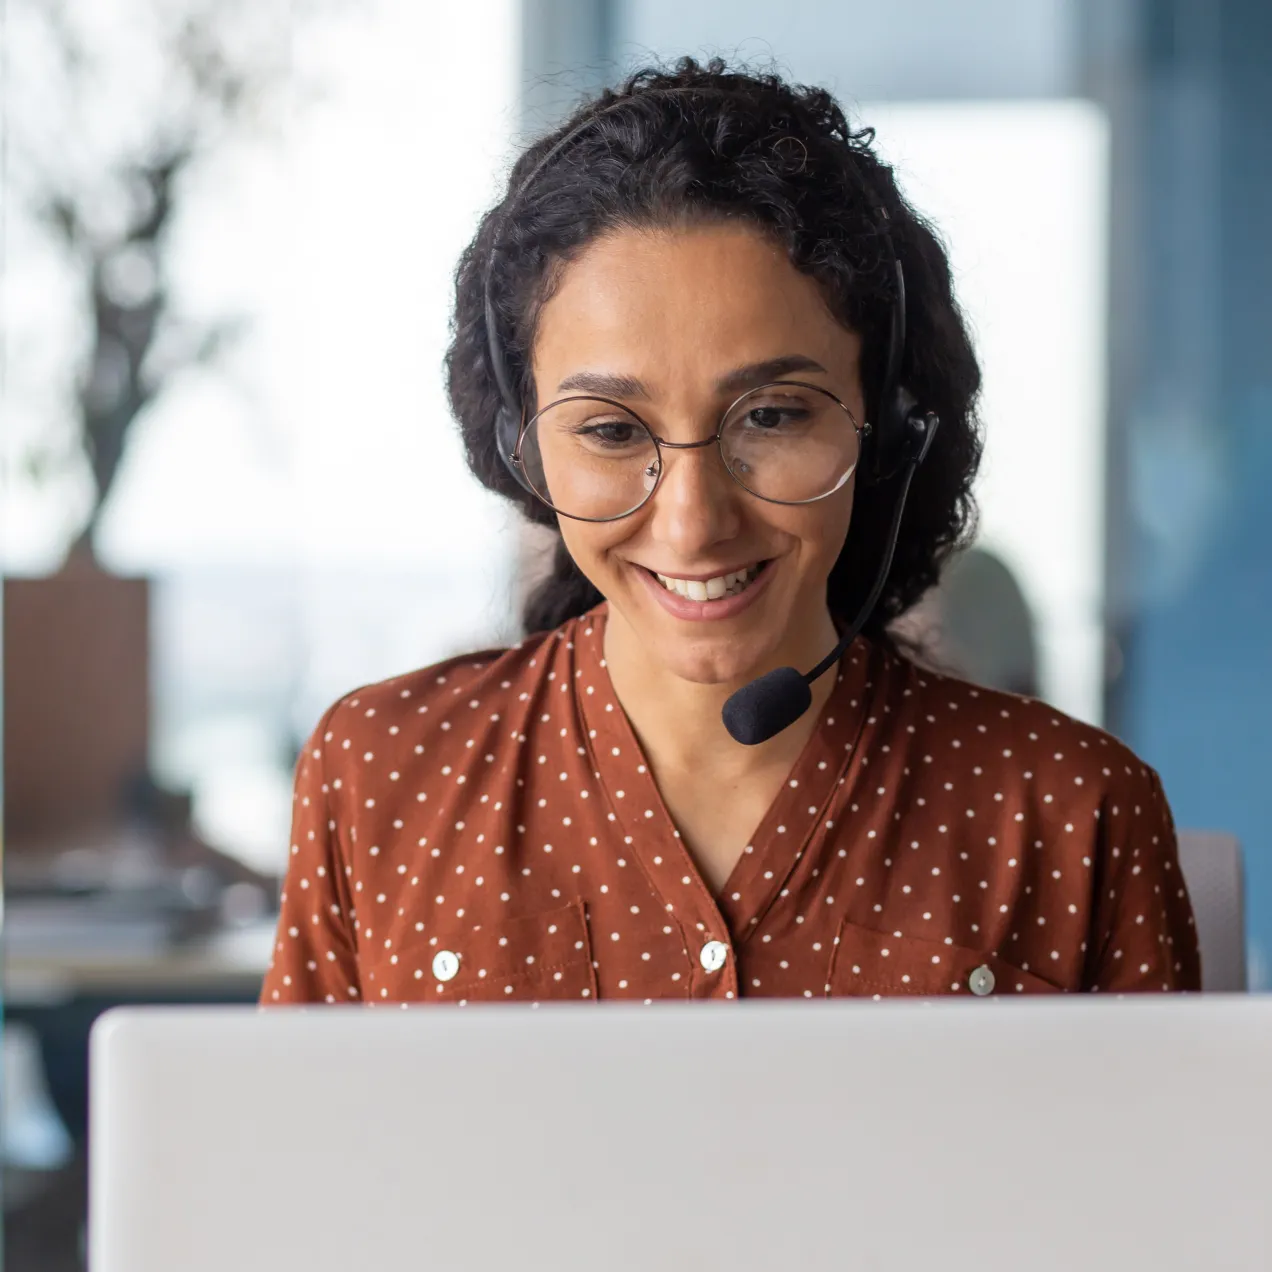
<point x="836" y="530"/>
<point x="588" y="544"/>
<point x="821" y="529"/>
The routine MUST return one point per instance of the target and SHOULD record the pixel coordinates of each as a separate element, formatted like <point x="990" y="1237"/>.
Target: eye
<point x="770" y="418"/>
<point x="765" y="416"/>
<point x="612" y="432"/>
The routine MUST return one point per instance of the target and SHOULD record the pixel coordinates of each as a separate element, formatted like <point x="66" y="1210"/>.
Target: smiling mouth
<point x="713" y="589"/>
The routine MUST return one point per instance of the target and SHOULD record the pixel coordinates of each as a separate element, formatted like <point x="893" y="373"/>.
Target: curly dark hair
<point x="734" y="145"/>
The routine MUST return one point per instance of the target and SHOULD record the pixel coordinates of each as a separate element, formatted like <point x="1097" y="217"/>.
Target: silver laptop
<point x="1076" y="1134"/>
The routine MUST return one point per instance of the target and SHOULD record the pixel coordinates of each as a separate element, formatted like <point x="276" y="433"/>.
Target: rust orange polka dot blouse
<point x="488" y="830"/>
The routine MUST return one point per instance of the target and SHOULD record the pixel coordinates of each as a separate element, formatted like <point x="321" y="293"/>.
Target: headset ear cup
<point x="891" y="442"/>
<point x="507" y="430"/>
<point x="903" y="437"/>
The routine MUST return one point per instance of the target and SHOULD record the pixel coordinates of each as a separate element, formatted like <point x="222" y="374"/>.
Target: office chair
<point x="1211" y="863"/>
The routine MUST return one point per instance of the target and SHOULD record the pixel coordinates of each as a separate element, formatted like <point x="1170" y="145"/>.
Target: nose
<point x="697" y="503"/>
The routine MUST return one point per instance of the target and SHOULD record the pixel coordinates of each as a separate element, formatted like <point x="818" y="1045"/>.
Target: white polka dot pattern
<point x="498" y="808"/>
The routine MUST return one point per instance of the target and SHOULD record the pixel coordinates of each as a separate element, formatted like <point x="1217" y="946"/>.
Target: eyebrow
<point x="605" y="384"/>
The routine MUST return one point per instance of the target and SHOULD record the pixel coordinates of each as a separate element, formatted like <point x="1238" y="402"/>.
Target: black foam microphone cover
<point x="763" y="708"/>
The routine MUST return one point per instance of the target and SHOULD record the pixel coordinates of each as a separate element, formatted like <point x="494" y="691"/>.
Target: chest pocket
<point x="534" y="958"/>
<point x="872" y="964"/>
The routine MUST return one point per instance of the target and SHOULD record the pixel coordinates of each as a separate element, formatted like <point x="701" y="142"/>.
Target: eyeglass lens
<point x="786" y="443"/>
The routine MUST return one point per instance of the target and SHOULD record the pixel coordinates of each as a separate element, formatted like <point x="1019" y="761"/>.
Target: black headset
<point x="898" y="440"/>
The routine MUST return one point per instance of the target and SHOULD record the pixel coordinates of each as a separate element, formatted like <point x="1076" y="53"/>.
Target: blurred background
<point x="229" y="484"/>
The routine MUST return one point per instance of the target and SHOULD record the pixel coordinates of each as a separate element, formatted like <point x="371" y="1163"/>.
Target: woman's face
<point x="676" y="323"/>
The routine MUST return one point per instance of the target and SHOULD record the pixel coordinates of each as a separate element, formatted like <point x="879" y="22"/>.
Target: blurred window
<point x="294" y="500"/>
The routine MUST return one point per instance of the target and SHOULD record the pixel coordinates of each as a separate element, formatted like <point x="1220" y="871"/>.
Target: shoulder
<point x="1063" y="759"/>
<point x="467" y="693"/>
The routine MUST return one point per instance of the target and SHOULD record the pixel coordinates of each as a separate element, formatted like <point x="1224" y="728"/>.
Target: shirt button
<point x="445" y="965"/>
<point x="713" y="956"/>
<point x="981" y="981"/>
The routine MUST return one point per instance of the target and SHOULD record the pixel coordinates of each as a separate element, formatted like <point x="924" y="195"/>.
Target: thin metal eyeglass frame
<point x="717" y="439"/>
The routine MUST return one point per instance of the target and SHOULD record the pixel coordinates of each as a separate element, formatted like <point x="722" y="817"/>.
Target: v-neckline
<point x="778" y="843"/>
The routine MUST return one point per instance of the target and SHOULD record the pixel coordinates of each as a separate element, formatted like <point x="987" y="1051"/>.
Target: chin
<point x="700" y="664"/>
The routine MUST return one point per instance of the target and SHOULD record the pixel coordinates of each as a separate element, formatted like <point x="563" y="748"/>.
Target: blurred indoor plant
<point x="110" y="114"/>
<point x="112" y="109"/>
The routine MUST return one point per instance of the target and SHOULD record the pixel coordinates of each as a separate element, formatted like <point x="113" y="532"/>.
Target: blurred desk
<point x="59" y="994"/>
<point x="59" y="989"/>
<point x="230" y="962"/>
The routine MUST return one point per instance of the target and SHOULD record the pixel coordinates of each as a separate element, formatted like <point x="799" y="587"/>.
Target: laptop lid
<point x="988" y="1135"/>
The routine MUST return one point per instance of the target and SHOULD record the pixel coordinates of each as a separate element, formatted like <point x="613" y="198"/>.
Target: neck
<point x="678" y="721"/>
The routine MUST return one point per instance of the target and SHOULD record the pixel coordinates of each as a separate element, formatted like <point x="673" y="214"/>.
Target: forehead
<point x="682" y="304"/>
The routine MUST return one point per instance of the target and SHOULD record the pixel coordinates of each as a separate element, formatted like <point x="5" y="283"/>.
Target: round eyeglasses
<point x="593" y="459"/>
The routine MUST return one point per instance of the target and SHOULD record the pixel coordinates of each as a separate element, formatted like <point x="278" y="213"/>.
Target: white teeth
<point x="710" y="589"/>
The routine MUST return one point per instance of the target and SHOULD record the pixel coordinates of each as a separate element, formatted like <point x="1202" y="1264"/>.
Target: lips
<point x="680" y="603"/>
<point x="714" y="588"/>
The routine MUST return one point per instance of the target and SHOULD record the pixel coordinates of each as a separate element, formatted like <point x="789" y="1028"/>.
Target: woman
<point x="681" y="341"/>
